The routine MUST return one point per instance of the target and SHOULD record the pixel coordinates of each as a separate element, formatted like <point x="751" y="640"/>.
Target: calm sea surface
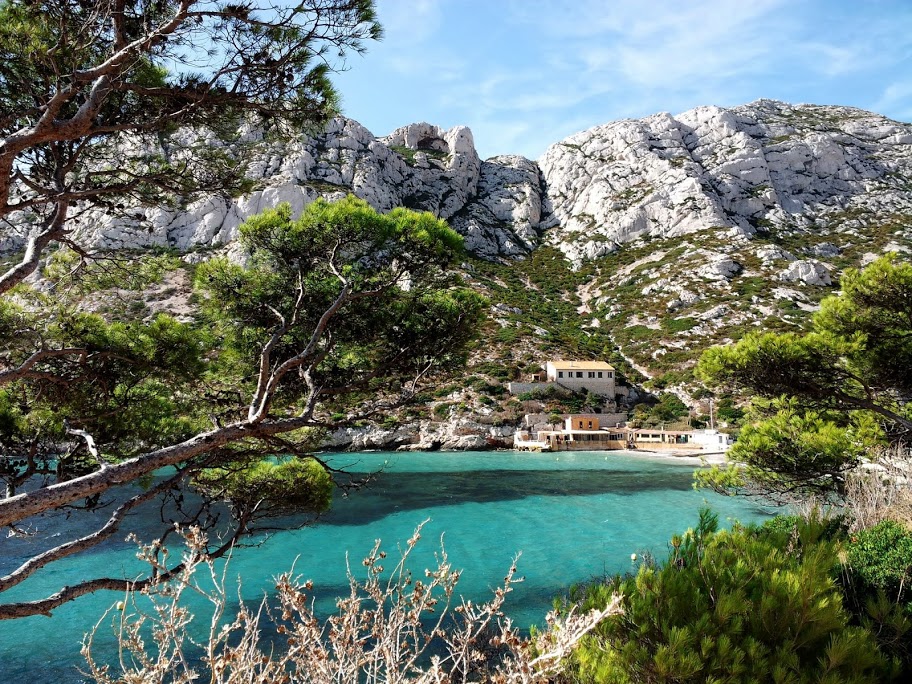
<point x="572" y="515"/>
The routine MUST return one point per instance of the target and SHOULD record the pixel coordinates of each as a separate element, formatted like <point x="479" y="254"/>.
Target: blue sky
<point x="523" y="74"/>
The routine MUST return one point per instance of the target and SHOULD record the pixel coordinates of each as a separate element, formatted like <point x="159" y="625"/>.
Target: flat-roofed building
<point x="595" y="376"/>
<point x="581" y="432"/>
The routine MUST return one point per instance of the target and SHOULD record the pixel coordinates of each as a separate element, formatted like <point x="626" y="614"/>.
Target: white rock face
<point x="505" y="217"/>
<point x="728" y="172"/>
<point x="807" y="271"/>
<point x="437" y="170"/>
<point x="720" y="267"/>
<point x="370" y="437"/>
<point x="824" y="250"/>
<point x="441" y="186"/>
<point x="743" y="169"/>
<point x="769" y="254"/>
<point x="456" y="434"/>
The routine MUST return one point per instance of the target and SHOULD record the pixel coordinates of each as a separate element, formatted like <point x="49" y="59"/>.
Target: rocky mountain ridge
<point x="761" y="166"/>
<point x="640" y="241"/>
<point x="496" y="204"/>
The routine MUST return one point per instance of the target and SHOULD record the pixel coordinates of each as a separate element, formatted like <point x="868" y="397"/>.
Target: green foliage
<point x="442" y="411"/>
<point x="668" y="409"/>
<point x="282" y="486"/>
<point x="67" y="269"/>
<point x="799" y="450"/>
<point x="127" y="383"/>
<point x="876" y="579"/>
<point x="408" y="153"/>
<point x="495" y="370"/>
<point x="547" y="394"/>
<point x="544" y="288"/>
<point x="728" y="412"/>
<point x="874" y="311"/>
<point x="677" y="325"/>
<point x="881" y="559"/>
<point x="375" y="283"/>
<point x="816" y="526"/>
<point x="561" y="400"/>
<point x="725" y="479"/>
<point x="744" y="605"/>
<point x="836" y="391"/>
<point x="270" y="65"/>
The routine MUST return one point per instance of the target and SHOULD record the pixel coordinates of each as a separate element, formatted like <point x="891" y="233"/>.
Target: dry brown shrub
<point x="391" y="627"/>
<point x="882" y="491"/>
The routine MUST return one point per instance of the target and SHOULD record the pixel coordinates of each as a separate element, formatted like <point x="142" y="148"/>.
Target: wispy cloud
<point x="521" y="73"/>
<point x="414" y="21"/>
<point x="897" y="99"/>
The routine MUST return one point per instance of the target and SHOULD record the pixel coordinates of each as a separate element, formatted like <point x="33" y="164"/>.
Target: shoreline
<point x="712" y="458"/>
<point x="689" y="457"/>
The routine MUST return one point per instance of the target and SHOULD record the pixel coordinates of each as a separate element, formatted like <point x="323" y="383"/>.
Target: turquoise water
<point x="572" y="515"/>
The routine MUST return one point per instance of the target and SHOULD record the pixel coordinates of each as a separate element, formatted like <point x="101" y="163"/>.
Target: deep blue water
<point x="572" y="515"/>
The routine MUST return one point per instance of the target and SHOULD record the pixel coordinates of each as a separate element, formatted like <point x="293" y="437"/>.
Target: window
<point x="610" y="374"/>
<point x="600" y="373"/>
<point x="560" y="374"/>
<point x="591" y="374"/>
<point x="579" y="374"/>
<point x="590" y="424"/>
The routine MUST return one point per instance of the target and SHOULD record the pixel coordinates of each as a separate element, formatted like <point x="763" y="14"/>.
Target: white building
<point x="595" y="376"/>
<point x="712" y="440"/>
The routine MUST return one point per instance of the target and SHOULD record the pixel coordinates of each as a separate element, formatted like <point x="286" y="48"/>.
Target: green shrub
<point x="881" y="558"/>
<point x="748" y="605"/>
<point x="668" y="409"/>
<point x="284" y="486"/>
<point x="442" y="410"/>
<point x="495" y="370"/>
<point x="727" y="411"/>
<point x="445" y="390"/>
<point x="549" y="393"/>
<point x="876" y="582"/>
<point x="638" y="332"/>
<point x="506" y="335"/>
<point x="678" y="325"/>
<point x="831" y="528"/>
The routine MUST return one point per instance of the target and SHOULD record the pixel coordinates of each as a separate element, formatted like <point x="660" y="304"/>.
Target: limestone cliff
<point x="496" y="204"/>
<point x="765" y="165"/>
<point x="684" y="231"/>
<point x="755" y="167"/>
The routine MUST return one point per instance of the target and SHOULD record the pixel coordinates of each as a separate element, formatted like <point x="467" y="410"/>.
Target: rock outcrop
<point x="735" y="171"/>
<point x="730" y="221"/>
<point x="808" y="271"/>
<point x="419" y="166"/>
<point x="505" y="217"/>
<point x="455" y="434"/>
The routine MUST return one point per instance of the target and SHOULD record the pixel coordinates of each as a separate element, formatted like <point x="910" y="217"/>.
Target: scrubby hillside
<point x="707" y="225"/>
<point x="640" y="241"/>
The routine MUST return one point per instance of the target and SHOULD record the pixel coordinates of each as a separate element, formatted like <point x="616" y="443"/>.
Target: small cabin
<point x="596" y="376"/>
<point x="581" y="422"/>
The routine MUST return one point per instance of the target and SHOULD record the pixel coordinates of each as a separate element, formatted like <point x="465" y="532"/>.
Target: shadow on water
<point x="573" y="518"/>
<point x="392" y="492"/>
